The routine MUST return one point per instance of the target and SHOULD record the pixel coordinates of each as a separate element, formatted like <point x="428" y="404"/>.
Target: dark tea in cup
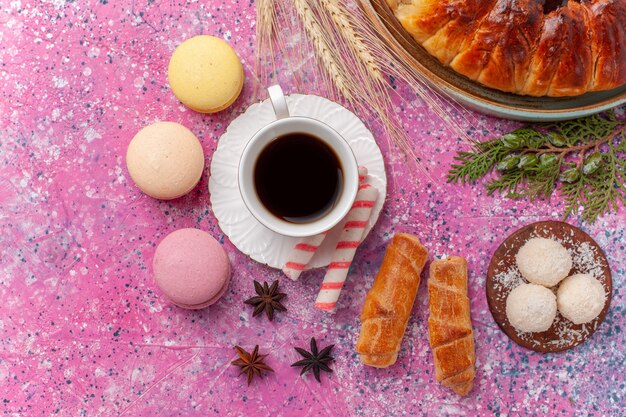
<point x="298" y="177"/>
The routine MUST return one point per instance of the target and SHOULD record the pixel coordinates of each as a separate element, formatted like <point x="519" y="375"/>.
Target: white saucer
<point x="244" y="231"/>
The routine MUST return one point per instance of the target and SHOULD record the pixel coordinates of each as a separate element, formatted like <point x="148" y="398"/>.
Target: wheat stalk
<point x="372" y="83"/>
<point x="265" y="33"/>
<point x="355" y="40"/>
<point x="265" y="16"/>
<point x="318" y="37"/>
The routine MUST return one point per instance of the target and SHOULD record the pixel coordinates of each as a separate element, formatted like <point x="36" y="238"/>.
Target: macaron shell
<point x="191" y="268"/>
<point x="206" y="303"/>
<point x="165" y="160"/>
<point x="205" y="74"/>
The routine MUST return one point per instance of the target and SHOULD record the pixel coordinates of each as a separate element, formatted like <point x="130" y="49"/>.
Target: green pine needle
<point x="583" y="160"/>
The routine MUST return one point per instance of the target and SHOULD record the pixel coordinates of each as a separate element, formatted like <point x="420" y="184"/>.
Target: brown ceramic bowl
<point x="476" y="96"/>
<point x="588" y="258"/>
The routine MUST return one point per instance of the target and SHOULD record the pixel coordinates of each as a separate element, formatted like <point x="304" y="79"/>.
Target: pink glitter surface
<point x="84" y="330"/>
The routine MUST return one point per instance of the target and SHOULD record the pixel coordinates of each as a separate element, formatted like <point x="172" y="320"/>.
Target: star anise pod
<point x="268" y="299"/>
<point x="315" y="360"/>
<point x="251" y="364"/>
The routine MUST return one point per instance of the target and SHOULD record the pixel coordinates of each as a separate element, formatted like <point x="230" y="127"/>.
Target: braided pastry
<point x="527" y="47"/>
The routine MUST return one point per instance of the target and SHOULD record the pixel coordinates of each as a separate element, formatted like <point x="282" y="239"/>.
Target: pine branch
<point x="584" y="160"/>
<point x="475" y="165"/>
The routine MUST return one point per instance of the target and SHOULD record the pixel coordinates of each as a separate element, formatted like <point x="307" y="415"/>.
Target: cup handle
<point x="277" y="97"/>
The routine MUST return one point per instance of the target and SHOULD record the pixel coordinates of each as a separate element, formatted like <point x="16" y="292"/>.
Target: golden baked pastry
<point x="389" y="302"/>
<point x="527" y="47"/>
<point x="449" y="325"/>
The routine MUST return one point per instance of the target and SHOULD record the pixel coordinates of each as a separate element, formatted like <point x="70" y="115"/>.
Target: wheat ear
<point x="361" y="56"/>
<point x="265" y="33"/>
<point x="319" y="40"/>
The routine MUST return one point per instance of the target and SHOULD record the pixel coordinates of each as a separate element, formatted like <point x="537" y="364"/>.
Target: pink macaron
<point x="191" y="268"/>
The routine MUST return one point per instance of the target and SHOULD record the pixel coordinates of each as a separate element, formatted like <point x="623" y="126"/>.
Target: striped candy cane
<point x="349" y="240"/>
<point x="301" y="254"/>
<point x="303" y="251"/>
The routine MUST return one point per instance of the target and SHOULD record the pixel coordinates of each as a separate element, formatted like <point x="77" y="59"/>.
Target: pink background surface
<point x="85" y="332"/>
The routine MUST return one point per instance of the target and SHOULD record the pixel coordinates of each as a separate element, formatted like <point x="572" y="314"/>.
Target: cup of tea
<point x="297" y="175"/>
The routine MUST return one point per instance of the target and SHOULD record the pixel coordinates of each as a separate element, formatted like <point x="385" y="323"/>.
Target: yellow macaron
<point x="205" y="74"/>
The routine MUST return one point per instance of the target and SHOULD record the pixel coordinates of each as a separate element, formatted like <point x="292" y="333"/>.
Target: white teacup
<point x="285" y="125"/>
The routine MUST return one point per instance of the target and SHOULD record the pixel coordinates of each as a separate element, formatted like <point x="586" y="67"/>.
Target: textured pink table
<point x="84" y="331"/>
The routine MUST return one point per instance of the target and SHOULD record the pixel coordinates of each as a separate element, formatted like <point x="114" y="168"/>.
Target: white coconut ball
<point x="543" y="261"/>
<point x="580" y="298"/>
<point x="531" y="308"/>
